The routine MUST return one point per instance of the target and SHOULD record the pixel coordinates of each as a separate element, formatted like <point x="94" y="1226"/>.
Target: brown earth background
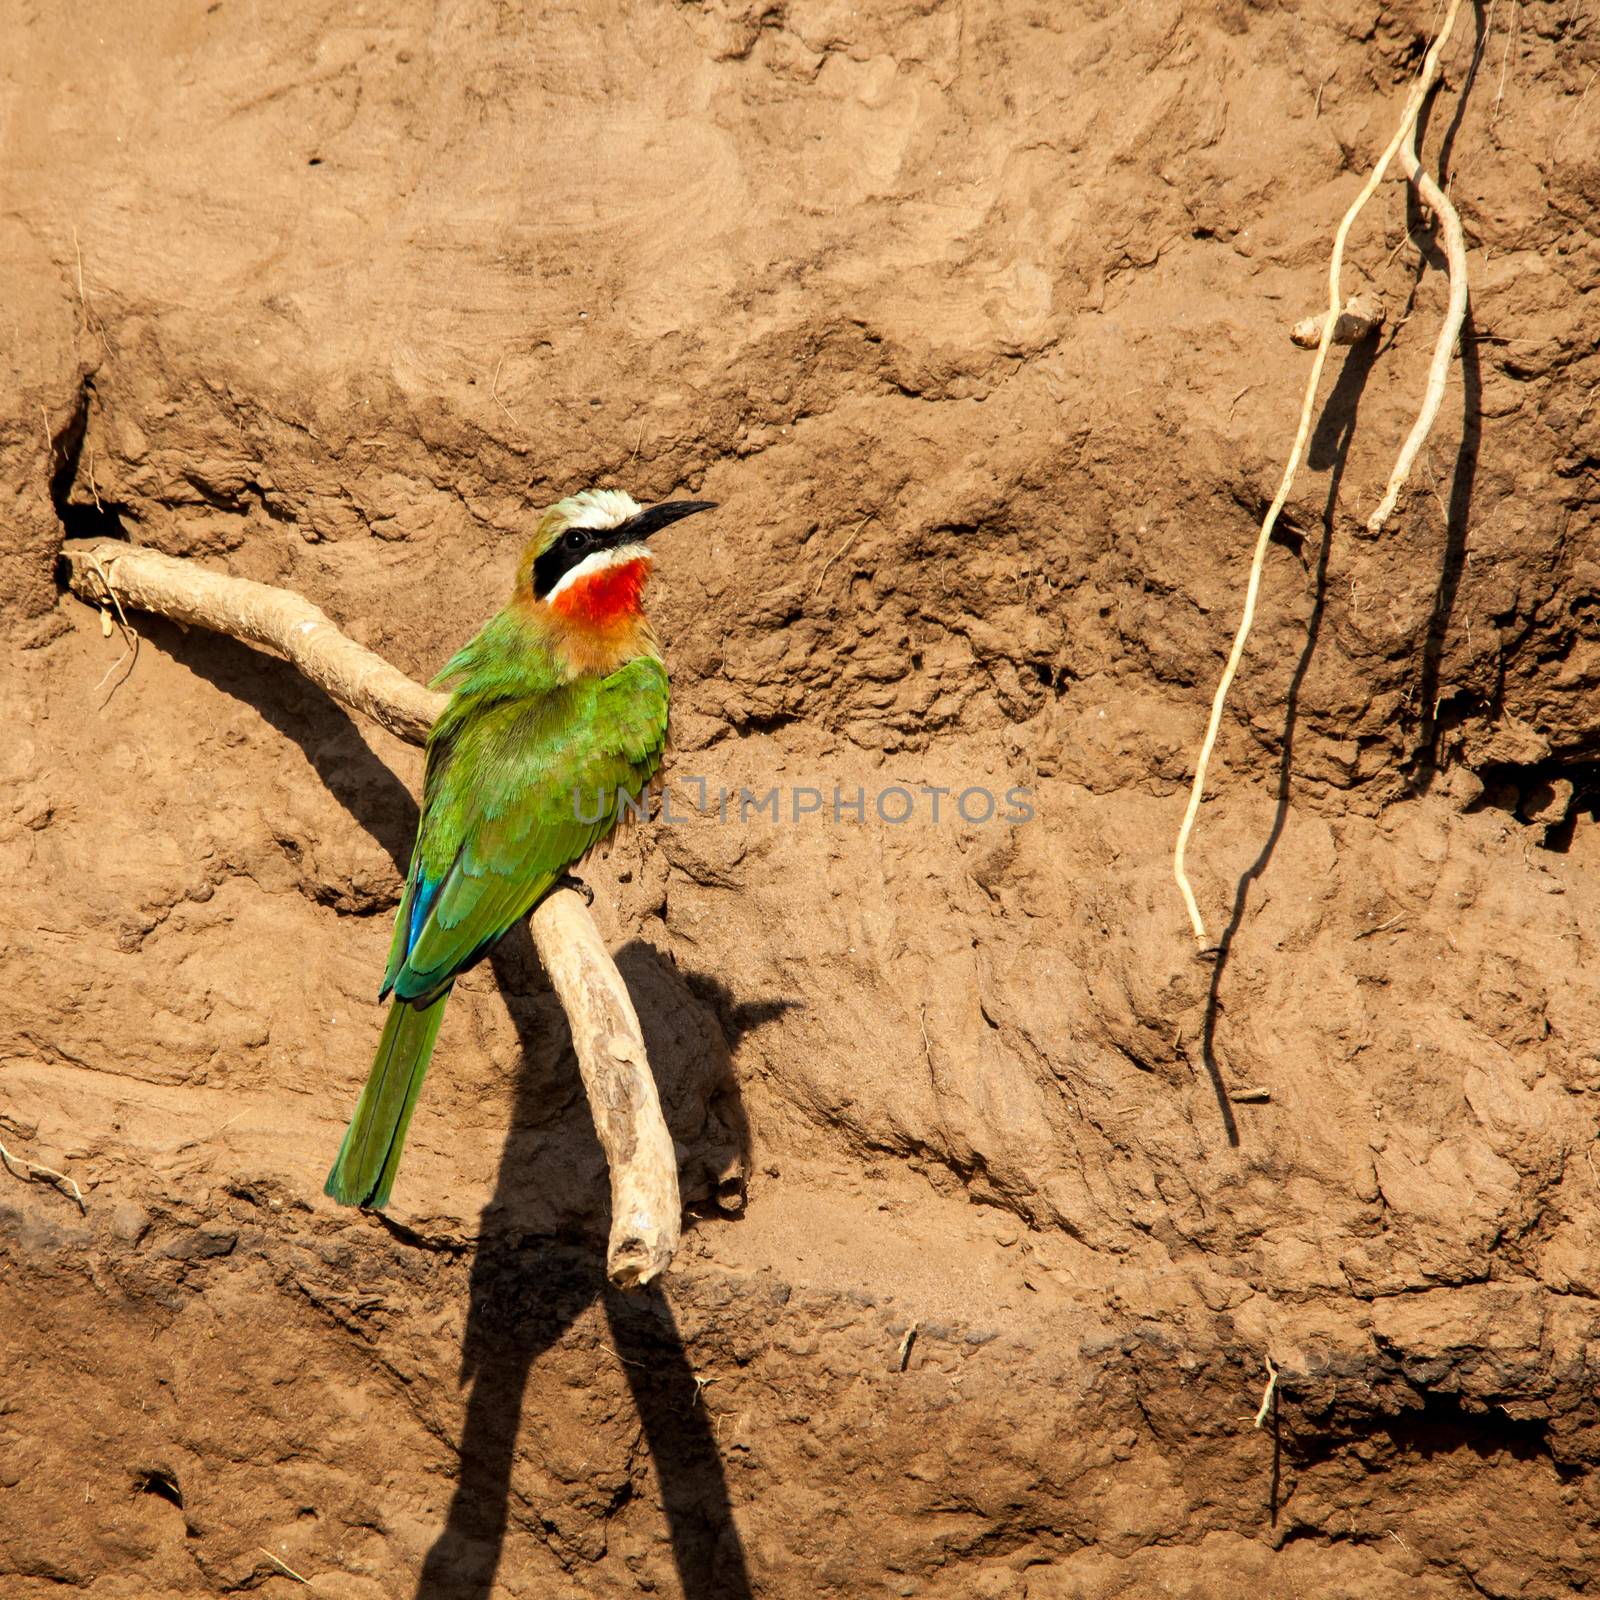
<point x="973" y="317"/>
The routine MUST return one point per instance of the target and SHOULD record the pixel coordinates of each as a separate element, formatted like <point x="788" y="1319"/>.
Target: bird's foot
<point x="570" y="880"/>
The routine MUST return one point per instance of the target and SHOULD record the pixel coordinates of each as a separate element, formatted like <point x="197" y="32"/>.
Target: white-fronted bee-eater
<point x="558" y="714"/>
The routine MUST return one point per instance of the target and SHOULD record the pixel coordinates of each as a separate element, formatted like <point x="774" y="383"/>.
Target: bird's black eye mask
<point x="577" y="544"/>
<point x="562" y="556"/>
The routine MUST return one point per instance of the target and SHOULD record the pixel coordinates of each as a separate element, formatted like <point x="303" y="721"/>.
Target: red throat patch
<point x="607" y="599"/>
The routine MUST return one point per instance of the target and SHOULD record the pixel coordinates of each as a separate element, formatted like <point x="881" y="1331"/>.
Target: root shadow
<point x="1329" y="447"/>
<point x="1423" y="765"/>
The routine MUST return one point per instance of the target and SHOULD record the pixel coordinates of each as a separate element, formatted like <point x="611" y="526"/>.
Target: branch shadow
<point x="526" y="1291"/>
<point x="693" y="1022"/>
<point x="326" y="734"/>
<point x="1329" y="447"/>
<point x="1275" y="1475"/>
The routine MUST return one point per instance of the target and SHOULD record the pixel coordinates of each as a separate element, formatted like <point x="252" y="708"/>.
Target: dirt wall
<point x="973" y="318"/>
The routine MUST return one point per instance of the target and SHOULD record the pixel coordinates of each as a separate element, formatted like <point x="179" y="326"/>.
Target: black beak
<point x="654" y="518"/>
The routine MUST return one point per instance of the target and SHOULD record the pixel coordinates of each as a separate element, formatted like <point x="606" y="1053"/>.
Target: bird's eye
<point x="575" y="539"/>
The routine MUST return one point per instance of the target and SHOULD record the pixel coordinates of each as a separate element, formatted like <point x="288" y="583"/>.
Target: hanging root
<point x="1330" y="321"/>
<point x="1455" y="249"/>
<point x="646" y="1215"/>
<point x="1269" y="1394"/>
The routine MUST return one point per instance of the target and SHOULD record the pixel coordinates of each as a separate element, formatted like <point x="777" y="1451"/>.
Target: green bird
<point x="557" y="716"/>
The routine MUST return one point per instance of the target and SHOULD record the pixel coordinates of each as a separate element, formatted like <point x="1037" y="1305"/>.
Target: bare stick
<point x="645" y="1211"/>
<point x="1455" y="249"/>
<point x="1413" y="106"/>
<point x="621" y="1089"/>
<point x="903" y="1355"/>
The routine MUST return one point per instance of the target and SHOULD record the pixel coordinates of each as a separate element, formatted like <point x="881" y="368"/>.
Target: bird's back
<point x="525" y="769"/>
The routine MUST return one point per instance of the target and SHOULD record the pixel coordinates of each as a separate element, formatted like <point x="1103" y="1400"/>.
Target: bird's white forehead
<point x="599" y="508"/>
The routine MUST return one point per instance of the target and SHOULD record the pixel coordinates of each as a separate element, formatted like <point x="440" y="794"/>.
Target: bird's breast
<point x="600" y="620"/>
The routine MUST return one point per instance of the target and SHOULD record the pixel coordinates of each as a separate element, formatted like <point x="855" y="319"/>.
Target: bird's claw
<point x="570" y="880"/>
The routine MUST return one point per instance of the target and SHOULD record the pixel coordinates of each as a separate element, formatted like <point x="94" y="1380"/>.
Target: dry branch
<point x="1269" y="1394"/>
<point x="645" y="1209"/>
<point x="258" y="614"/>
<point x="621" y="1090"/>
<point x="1330" y="321"/>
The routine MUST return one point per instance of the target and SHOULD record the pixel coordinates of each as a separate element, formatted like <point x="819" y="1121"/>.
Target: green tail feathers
<point x="363" y="1173"/>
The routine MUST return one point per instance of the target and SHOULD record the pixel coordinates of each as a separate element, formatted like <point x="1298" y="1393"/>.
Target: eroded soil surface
<point x="973" y="317"/>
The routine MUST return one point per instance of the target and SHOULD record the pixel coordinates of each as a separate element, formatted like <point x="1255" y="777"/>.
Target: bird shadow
<point x="1329" y="447"/>
<point x="525" y="1289"/>
<point x="525" y="1293"/>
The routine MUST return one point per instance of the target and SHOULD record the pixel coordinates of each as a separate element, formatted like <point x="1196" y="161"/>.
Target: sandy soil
<point x="973" y="316"/>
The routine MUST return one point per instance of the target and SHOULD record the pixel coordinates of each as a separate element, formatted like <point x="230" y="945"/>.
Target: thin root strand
<point x="30" y="1170"/>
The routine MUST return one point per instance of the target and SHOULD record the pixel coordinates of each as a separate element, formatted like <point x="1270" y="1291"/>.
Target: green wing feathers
<point x="523" y="779"/>
<point x="527" y="787"/>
